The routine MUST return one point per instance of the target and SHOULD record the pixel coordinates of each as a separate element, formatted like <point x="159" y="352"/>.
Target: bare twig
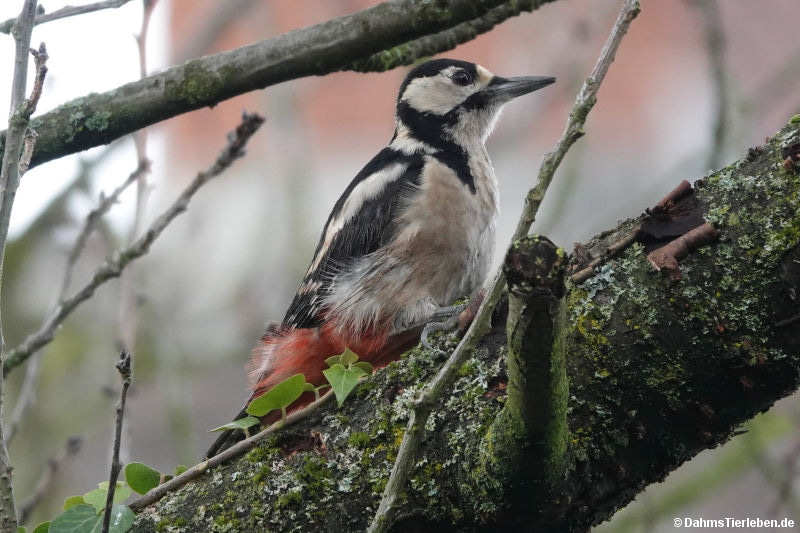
<point x="26" y="397"/>
<point x="28" y="144"/>
<point x="125" y="372"/>
<point x="611" y="252"/>
<point x="127" y="317"/>
<point x="715" y="46"/>
<point x="66" y="11"/>
<point x="89" y="224"/>
<point x="45" y="481"/>
<point x="19" y="116"/>
<point x="127" y="323"/>
<point x="328" y="47"/>
<point x="114" y="266"/>
<point x="27" y="392"/>
<point x="236" y="450"/>
<point x="429" y="396"/>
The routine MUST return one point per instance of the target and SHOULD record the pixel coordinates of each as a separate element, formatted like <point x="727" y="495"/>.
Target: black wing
<point x="372" y="226"/>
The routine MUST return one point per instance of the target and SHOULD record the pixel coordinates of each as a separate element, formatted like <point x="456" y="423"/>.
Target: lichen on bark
<point x="659" y="369"/>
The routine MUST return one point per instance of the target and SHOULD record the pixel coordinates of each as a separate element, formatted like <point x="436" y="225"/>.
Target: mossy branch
<point x="525" y="447"/>
<point x="659" y="369"/>
<point x="399" y="32"/>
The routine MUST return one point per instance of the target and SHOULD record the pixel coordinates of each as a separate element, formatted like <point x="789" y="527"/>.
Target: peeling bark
<point x="659" y="369"/>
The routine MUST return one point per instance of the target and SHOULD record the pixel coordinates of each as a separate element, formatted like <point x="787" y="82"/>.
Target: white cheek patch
<point x="435" y="94"/>
<point x="366" y="190"/>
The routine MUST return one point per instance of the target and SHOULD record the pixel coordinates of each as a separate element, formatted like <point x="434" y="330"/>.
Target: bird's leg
<point x="452" y="317"/>
<point x="443" y="319"/>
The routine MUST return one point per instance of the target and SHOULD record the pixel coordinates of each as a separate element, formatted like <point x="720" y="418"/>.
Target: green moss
<point x="315" y="475"/>
<point x="290" y="499"/>
<point x="264" y="452"/>
<point x="98" y="121"/>
<point x="359" y="439"/>
<point x="263" y="473"/>
<point x="198" y="85"/>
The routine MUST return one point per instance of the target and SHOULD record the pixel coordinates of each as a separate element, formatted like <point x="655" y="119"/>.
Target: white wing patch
<point x="366" y="190"/>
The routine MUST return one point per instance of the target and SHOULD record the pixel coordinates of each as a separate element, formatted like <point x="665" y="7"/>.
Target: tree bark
<point x="379" y="38"/>
<point x="661" y="365"/>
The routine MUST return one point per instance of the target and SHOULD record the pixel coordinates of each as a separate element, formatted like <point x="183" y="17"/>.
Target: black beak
<point x="501" y="90"/>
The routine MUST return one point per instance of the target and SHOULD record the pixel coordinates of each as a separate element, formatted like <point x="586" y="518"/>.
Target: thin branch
<point x="240" y="448"/>
<point x="19" y="116"/>
<point x="392" y="28"/>
<point x="114" y="266"/>
<point x="27" y="393"/>
<point x="126" y="323"/>
<point x="26" y="397"/>
<point x="715" y="46"/>
<point x="429" y="396"/>
<point x="90" y="223"/>
<point x="45" y="481"/>
<point x="125" y="373"/>
<point x="127" y="316"/>
<point x="66" y="11"/>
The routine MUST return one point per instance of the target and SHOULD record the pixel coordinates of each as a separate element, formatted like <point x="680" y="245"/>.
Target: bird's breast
<point x="448" y="230"/>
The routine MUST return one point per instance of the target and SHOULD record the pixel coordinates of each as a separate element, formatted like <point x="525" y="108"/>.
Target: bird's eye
<point x="461" y="77"/>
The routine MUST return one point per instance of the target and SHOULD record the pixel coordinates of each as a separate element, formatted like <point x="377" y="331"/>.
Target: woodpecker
<point x="412" y="232"/>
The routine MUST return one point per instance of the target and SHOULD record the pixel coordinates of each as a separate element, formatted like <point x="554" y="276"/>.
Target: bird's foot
<point x="452" y="317"/>
<point x="443" y="319"/>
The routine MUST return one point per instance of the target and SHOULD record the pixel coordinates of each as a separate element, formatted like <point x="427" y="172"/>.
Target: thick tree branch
<point x="327" y="47"/>
<point x="659" y="370"/>
<point x="526" y="446"/>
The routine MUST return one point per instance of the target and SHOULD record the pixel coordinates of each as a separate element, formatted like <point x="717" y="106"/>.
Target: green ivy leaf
<point x="363" y="365"/>
<point x="280" y="396"/>
<point x="84" y="519"/>
<point x="77" y="519"/>
<point x="97" y="497"/>
<point x="44" y="527"/>
<point x="121" y="519"/>
<point x="346" y="358"/>
<point x="334" y="360"/>
<point x="72" y="501"/>
<point x="20" y="529"/>
<point x="141" y="477"/>
<point x="343" y="380"/>
<point x="242" y="423"/>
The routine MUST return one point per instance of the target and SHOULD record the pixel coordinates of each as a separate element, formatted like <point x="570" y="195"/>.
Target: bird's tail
<point x="282" y="353"/>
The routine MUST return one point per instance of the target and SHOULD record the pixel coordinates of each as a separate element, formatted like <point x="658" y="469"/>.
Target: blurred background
<point x="694" y="85"/>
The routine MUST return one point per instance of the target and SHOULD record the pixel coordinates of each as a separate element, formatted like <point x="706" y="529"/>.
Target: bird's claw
<point x="444" y="319"/>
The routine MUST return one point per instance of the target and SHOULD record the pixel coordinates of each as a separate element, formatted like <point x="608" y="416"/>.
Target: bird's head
<point x="456" y="99"/>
